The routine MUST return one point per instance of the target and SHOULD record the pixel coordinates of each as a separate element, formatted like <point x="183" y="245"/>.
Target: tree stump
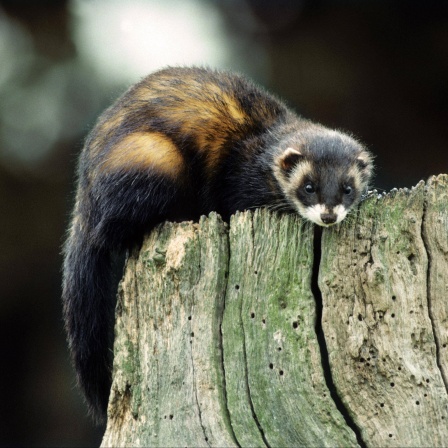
<point x="269" y="332"/>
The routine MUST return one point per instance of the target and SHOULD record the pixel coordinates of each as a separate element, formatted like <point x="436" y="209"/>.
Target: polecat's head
<point x="322" y="173"/>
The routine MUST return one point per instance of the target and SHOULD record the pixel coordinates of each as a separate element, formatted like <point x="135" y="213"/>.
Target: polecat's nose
<point x="328" y="218"/>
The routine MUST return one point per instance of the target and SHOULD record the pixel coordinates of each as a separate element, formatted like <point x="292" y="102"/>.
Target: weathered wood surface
<point x="374" y="282"/>
<point x="216" y="335"/>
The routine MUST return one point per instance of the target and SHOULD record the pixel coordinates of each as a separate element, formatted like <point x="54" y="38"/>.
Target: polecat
<point x="179" y="144"/>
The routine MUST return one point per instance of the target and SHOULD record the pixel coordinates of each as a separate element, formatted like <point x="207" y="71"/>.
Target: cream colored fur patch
<point x="145" y="150"/>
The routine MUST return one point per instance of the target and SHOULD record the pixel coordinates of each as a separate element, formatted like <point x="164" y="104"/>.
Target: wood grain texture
<point x="435" y="235"/>
<point x="275" y="381"/>
<point x="380" y="337"/>
<point x="168" y="387"/>
<point x="216" y="340"/>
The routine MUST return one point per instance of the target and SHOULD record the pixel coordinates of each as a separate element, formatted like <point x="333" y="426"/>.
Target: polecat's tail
<point x="88" y="314"/>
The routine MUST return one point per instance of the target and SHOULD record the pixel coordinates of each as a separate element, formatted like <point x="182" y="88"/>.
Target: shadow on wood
<point x="219" y="341"/>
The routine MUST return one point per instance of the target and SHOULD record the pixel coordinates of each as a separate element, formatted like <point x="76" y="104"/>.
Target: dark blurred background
<point x="378" y="69"/>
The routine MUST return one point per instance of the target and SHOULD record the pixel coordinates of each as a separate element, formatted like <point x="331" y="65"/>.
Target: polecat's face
<point x="325" y="176"/>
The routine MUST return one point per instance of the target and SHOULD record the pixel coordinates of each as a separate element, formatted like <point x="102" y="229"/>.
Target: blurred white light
<point x="126" y="40"/>
<point x="40" y="101"/>
<point x="13" y="40"/>
<point x="27" y="112"/>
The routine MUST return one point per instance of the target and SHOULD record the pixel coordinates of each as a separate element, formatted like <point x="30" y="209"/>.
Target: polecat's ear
<point x="289" y="159"/>
<point x="362" y="163"/>
<point x="365" y="164"/>
<point x="364" y="160"/>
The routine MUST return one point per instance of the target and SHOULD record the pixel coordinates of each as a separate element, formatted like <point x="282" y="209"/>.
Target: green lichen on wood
<point x="373" y="278"/>
<point x="171" y="300"/>
<point x="275" y="383"/>
<point x="216" y="340"/>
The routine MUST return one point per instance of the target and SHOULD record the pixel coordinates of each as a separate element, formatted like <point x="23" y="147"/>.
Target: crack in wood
<point x="221" y="345"/>
<point x="246" y="368"/>
<point x="428" y="289"/>
<point x="246" y="379"/>
<point x="317" y="293"/>
<point x="195" y="390"/>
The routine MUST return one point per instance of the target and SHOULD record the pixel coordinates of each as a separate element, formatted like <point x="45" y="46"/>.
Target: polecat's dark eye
<point x="310" y="188"/>
<point x="347" y="189"/>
